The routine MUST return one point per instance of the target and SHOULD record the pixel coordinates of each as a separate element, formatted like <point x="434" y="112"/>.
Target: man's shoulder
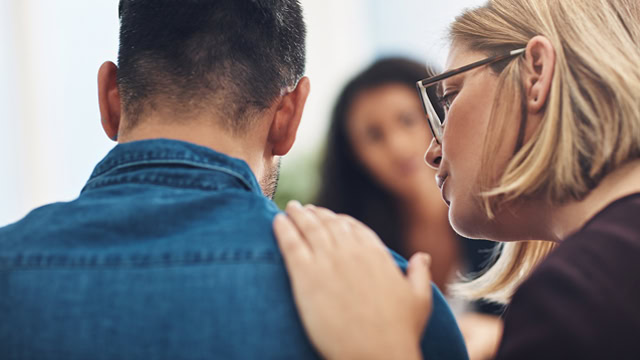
<point x="400" y="261"/>
<point x="194" y="218"/>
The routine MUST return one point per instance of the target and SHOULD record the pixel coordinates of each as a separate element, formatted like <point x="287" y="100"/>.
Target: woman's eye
<point x="408" y="119"/>
<point x="373" y="135"/>
<point x="447" y="99"/>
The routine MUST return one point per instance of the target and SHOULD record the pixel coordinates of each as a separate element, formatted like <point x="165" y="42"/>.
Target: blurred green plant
<point x="299" y="179"/>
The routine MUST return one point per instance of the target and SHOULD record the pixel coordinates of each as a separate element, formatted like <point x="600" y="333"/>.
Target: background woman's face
<point x="389" y="135"/>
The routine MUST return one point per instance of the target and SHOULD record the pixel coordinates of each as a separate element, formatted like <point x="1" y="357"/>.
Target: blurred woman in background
<point x="374" y="170"/>
<point x="374" y="166"/>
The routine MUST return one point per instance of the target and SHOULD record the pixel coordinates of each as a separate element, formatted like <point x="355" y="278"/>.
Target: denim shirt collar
<point x="162" y="152"/>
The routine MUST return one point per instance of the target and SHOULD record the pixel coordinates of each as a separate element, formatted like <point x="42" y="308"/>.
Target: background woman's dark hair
<point x="346" y="186"/>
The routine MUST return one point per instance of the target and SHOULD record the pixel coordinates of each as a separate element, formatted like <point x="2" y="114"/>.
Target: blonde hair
<point x="591" y="124"/>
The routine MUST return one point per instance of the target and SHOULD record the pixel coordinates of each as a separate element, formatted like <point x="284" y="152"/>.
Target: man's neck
<point x="244" y="147"/>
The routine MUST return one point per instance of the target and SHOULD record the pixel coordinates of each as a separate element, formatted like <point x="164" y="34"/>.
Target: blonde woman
<point x="540" y="139"/>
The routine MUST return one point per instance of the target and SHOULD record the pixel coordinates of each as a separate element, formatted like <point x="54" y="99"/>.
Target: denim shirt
<point x="168" y="253"/>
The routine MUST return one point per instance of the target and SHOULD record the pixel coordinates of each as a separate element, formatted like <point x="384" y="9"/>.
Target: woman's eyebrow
<point x="443" y="84"/>
<point x="450" y="81"/>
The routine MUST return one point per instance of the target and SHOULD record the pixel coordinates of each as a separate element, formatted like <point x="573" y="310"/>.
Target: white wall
<point x="49" y="123"/>
<point x="10" y="131"/>
<point x="50" y="51"/>
<point x="415" y="28"/>
<point x="339" y="43"/>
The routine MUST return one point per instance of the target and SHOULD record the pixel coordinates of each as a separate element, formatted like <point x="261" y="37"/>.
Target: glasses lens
<point x="432" y="107"/>
<point x="434" y="96"/>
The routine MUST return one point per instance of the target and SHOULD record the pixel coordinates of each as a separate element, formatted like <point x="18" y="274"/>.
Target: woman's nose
<point x="433" y="156"/>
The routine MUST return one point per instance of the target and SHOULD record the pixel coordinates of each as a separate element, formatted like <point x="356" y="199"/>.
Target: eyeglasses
<point x="437" y="106"/>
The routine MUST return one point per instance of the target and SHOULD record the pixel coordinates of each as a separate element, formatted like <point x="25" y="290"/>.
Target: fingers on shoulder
<point x="292" y="245"/>
<point x="311" y="227"/>
<point x="419" y="275"/>
<point x="364" y="233"/>
<point x="336" y="225"/>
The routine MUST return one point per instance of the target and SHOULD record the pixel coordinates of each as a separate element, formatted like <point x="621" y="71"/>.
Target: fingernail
<point x="294" y="203"/>
<point x="426" y="258"/>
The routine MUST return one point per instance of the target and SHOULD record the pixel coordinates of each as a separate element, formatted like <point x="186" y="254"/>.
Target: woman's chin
<point x="476" y="225"/>
<point x="470" y="222"/>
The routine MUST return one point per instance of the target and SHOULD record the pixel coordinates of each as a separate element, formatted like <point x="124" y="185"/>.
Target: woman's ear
<point x="540" y="60"/>
<point x="284" y="127"/>
<point x="109" y="99"/>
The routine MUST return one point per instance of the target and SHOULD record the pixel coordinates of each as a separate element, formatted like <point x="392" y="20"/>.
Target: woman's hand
<point x="353" y="299"/>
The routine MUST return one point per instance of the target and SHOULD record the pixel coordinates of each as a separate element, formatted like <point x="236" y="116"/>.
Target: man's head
<point x="232" y="65"/>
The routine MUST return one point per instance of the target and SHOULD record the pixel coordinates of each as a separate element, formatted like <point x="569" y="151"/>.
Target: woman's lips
<point x="441" y="180"/>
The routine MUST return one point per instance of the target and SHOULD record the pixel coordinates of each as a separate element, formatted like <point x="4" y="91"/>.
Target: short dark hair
<point x="346" y="186"/>
<point x="239" y="54"/>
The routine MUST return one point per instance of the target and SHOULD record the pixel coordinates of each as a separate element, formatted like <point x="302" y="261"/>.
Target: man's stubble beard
<point x="269" y="181"/>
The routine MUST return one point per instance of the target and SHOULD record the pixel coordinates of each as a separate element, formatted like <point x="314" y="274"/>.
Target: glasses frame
<point x="435" y="123"/>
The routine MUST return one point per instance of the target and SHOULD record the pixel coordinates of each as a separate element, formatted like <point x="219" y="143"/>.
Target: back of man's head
<point x="230" y="57"/>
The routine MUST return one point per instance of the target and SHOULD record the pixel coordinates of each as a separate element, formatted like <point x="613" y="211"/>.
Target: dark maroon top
<point x="583" y="301"/>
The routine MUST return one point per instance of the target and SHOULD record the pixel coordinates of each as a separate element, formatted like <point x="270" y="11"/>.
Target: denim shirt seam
<point x="39" y="261"/>
<point x="157" y="180"/>
<point x="95" y="180"/>
<point x="108" y="163"/>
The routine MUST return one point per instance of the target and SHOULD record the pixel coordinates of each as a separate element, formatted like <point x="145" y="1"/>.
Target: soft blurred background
<point x="50" y="51"/>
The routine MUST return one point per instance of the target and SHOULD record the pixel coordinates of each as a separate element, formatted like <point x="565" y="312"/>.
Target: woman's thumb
<point x="419" y="275"/>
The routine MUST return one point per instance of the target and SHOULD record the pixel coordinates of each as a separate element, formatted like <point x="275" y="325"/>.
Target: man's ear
<point x="540" y="61"/>
<point x="284" y="126"/>
<point x="109" y="99"/>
